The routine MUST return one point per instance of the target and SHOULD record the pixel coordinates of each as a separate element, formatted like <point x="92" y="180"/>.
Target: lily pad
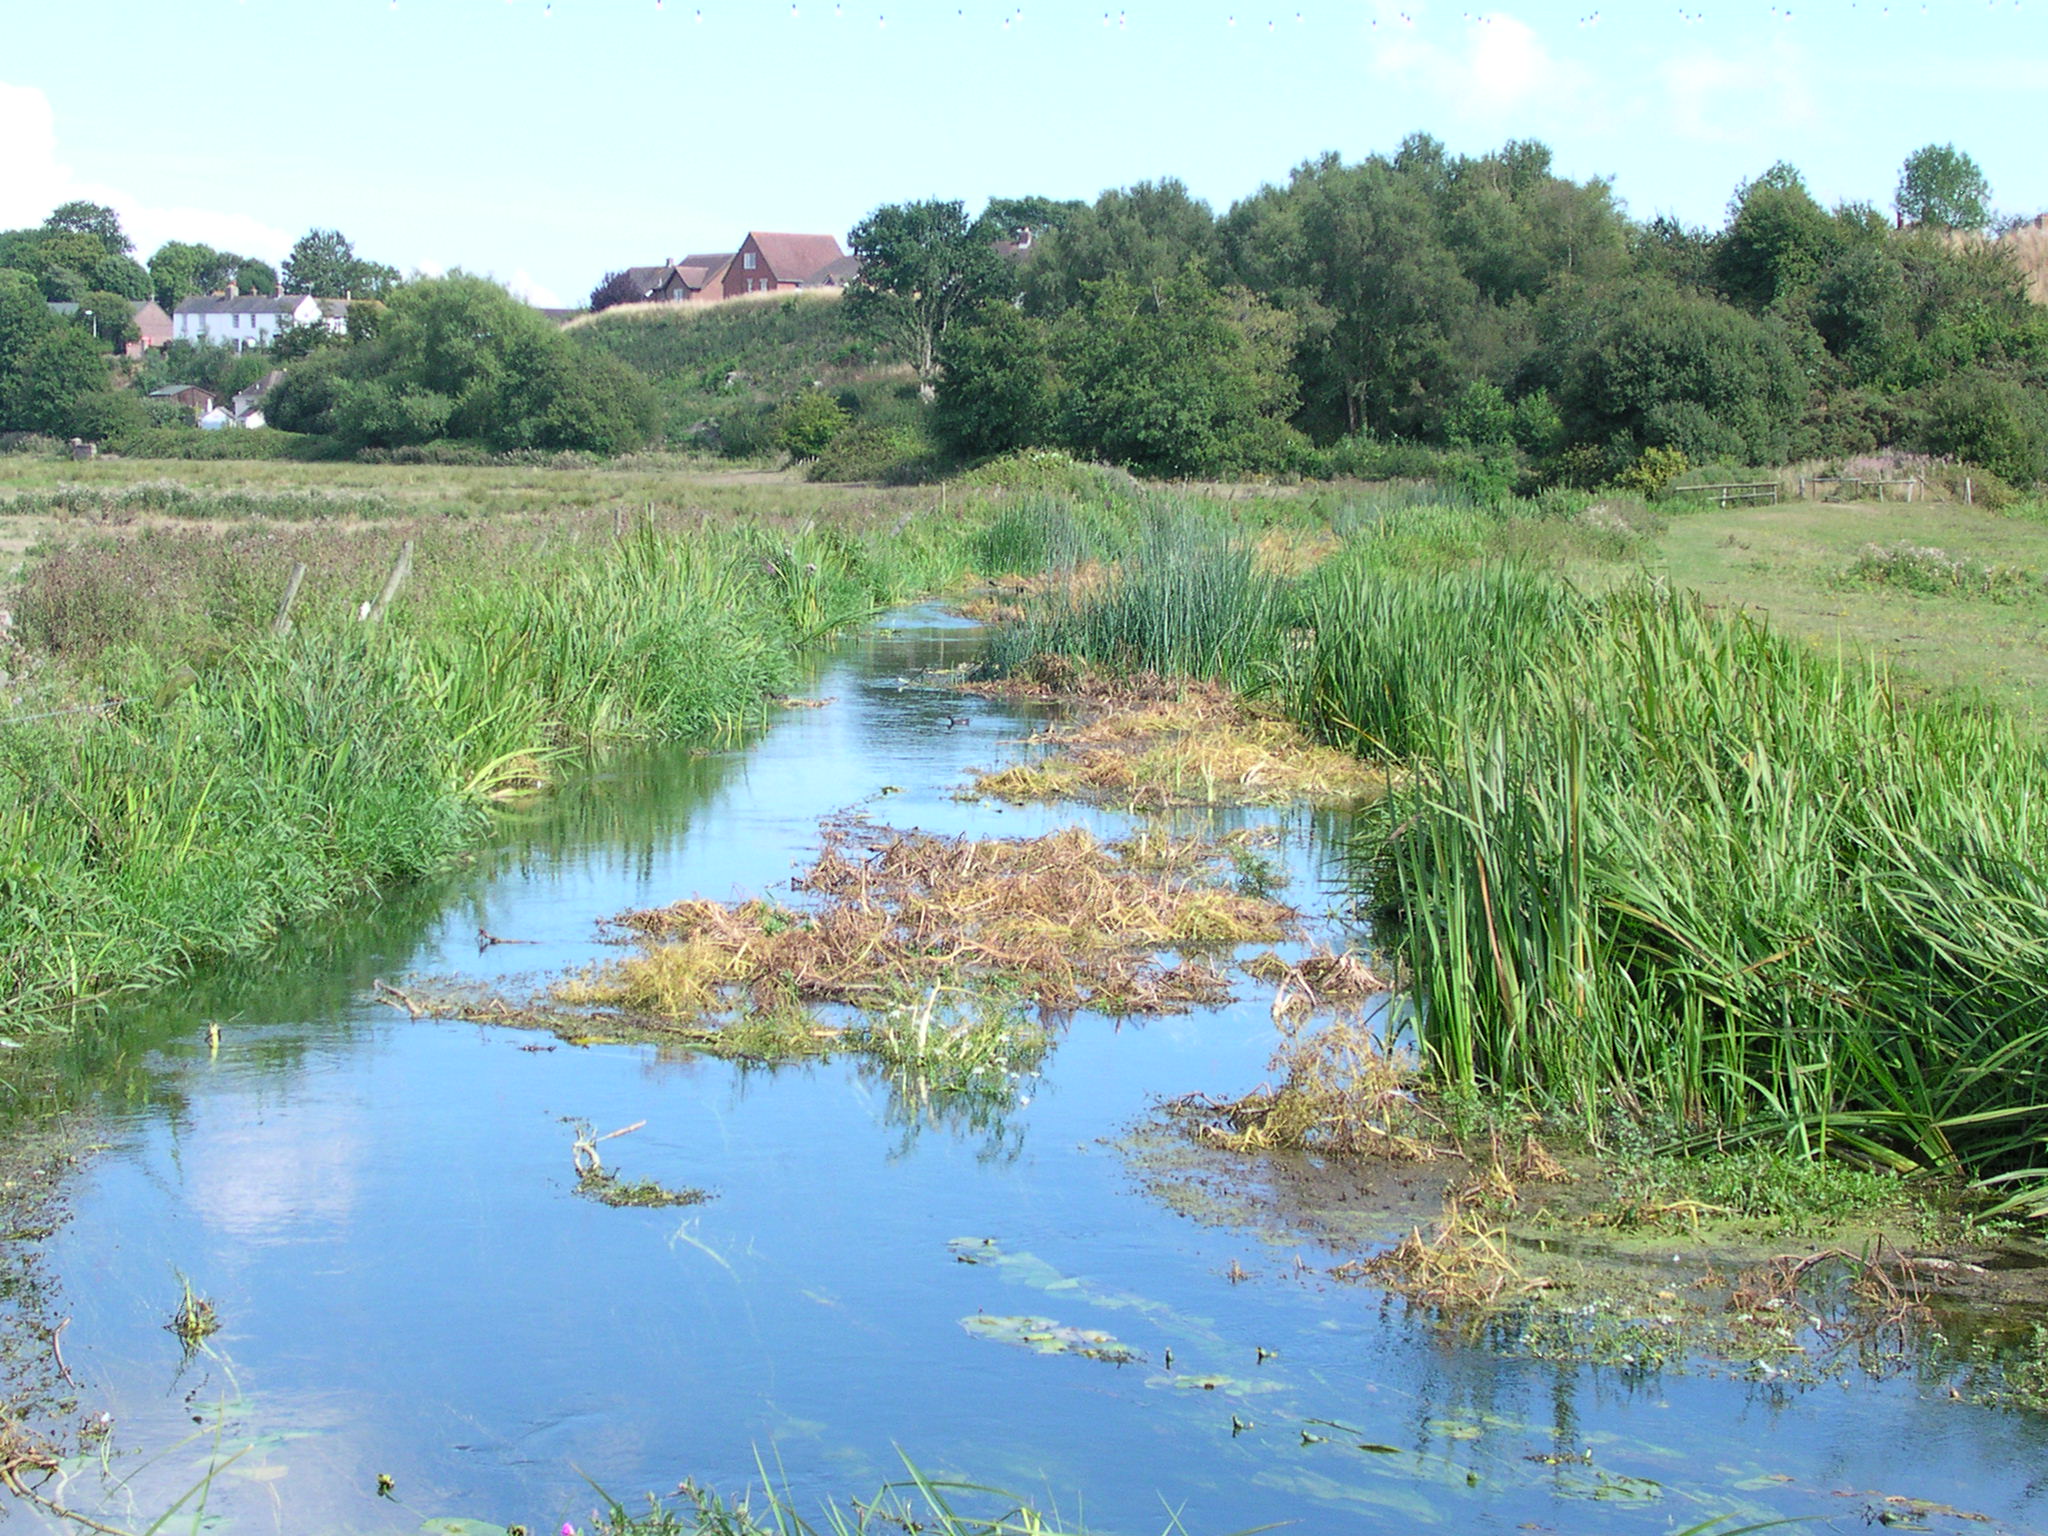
<point x="1044" y="1336"/>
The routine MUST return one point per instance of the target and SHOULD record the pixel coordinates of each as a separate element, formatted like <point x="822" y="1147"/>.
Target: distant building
<point x="247" y="403"/>
<point x="152" y="324"/>
<point x="771" y="263"/>
<point x="193" y="397"/>
<point x="242" y="321"/>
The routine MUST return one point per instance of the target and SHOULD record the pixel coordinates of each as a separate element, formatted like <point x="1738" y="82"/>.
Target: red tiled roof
<point x="795" y="258"/>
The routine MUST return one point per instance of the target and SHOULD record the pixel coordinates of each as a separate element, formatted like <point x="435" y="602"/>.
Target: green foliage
<point x="1996" y="422"/>
<point x="806" y="426"/>
<point x="181" y="269"/>
<point x="897" y="455"/>
<point x="123" y="275"/>
<point x="93" y="219"/>
<point x="1480" y="418"/>
<point x="1942" y="186"/>
<point x="109" y="318"/>
<point x="459" y="357"/>
<point x="1152" y="230"/>
<point x="1649" y="365"/>
<point x="924" y="266"/>
<point x="324" y="264"/>
<point x="1778" y="240"/>
<point x="1000" y="389"/>
<point x="51" y="371"/>
<point x="1653" y="471"/>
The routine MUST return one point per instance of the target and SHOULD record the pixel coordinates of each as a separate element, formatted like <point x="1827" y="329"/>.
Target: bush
<point x="1992" y="421"/>
<point x="886" y="455"/>
<point x="806" y="426"/>
<point x="186" y="443"/>
<point x="1653" y="471"/>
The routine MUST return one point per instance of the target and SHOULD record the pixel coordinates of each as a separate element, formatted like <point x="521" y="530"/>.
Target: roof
<point x="62" y="307"/>
<point x="170" y="390"/>
<point x="844" y="270"/>
<point x="245" y="304"/>
<point x="794" y="258"/>
<point x="646" y="279"/>
<point x="698" y="271"/>
<point x="335" y="308"/>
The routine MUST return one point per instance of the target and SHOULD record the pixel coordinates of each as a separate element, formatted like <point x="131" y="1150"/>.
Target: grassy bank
<point x="178" y="782"/>
<point x="1645" y="860"/>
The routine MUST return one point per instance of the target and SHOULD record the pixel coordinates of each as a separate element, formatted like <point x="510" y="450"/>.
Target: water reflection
<point x="384" y="1211"/>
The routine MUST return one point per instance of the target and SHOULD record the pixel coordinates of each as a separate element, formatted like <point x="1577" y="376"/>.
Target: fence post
<point x="283" y="621"/>
<point x="392" y="583"/>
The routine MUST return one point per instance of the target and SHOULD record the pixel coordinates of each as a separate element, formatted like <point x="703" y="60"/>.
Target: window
<point x="747" y="262"/>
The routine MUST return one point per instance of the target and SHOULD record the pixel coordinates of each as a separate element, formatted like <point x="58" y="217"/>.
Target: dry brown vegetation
<point x="1065" y="920"/>
<point x="1340" y="1092"/>
<point x="1149" y="746"/>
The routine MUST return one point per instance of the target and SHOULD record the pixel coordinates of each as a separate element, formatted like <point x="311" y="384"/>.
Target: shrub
<point x="806" y="426"/>
<point x="886" y="455"/>
<point x="1653" y="471"/>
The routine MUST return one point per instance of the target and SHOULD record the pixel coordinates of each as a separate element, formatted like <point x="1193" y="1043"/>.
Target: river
<point x="384" y="1212"/>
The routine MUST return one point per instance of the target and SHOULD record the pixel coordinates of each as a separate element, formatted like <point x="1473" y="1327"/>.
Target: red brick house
<point x="771" y="263"/>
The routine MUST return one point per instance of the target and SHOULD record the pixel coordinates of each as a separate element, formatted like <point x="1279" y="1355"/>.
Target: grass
<point x="1645" y="861"/>
<point x="242" y="780"/>
<point x="1788" y="562"/>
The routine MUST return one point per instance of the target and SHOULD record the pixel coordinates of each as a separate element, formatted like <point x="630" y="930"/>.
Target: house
<point x="193" y="397"/>
<point x="246" y="405"/>
<point x="691" y="280"/>
<point x="241" y="321"/>
<point x="771" y="263"/>
<point x="152" y="324"/>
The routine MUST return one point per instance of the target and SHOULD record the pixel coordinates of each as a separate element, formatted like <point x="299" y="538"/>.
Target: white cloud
<point x="1493" y="72"/>
<point x="522" y="283"/>
<point x="37" y="180"/>
<point x="1753" y="99"/>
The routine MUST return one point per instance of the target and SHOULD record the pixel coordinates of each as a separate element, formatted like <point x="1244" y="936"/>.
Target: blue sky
<point x="546" y="143"/>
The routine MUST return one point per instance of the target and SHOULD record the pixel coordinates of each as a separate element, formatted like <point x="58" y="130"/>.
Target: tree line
<point x="1485" y="306"/>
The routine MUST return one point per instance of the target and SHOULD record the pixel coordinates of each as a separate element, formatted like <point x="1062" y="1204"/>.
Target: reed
<point x="1644" y="860"/>
<point x="246" y="780"/>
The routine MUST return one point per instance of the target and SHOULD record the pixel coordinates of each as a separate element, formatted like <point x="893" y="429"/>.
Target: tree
<point x="1644" y="365"/>
<point x="806" y="425"/>
<point x="108" y="318"/>
<point x="459" y="357"/>
<point x="999" y="389"/>
<point x="253" y="276"/>
<point x="1148" y="231"/>
<point x="1942" y="186"/>
<point x="51" y="373"/>
<point x="94" y="219"/>
<point x="181" y="268"/>
<point x="616" y="288"/>
<point x="1177" y="377"/>
<point x="923" y="266"/>
<point x="1778" y="242"/>
<point x="325" y="265"/>
<point x="121" y="274"/>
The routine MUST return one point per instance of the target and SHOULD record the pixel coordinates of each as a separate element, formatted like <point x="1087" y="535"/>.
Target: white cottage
<point x="242" y="321"/>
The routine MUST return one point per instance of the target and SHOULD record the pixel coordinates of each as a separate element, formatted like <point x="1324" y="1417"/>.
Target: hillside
<point x="722" y="369"/>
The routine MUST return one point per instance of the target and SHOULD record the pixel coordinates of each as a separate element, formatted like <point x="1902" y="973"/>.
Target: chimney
<point x="234" y="289"/>
<point x="280" y="288"/>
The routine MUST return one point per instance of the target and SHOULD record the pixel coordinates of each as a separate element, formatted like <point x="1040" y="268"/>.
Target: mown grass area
<point x="179" y="780"/>
<point x="1809" y="568"/>
<point x="1644" y="861"/>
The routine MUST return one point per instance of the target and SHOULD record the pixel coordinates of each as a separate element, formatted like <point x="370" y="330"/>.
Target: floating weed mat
<point x="1043" y="1336"/>
<point x="1063" y="921"/>
<point x="1324" y="979"/>
<point x="608" y="1188"/>
<point x="1203" y="746"/>
<point x="1466" y="1262"/>
<point x="1339" y="1092"/>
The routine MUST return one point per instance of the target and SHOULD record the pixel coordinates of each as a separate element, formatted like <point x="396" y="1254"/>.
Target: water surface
<point x="383" y="1211"/>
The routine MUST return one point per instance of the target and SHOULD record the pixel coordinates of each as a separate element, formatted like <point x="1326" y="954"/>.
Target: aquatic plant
<point x="185" y="771"/>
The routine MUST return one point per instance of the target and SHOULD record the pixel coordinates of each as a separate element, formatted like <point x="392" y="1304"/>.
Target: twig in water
<point x="386" y="993"/>
<point x="57" y="1350"/>
<point x="485" y="939"/>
